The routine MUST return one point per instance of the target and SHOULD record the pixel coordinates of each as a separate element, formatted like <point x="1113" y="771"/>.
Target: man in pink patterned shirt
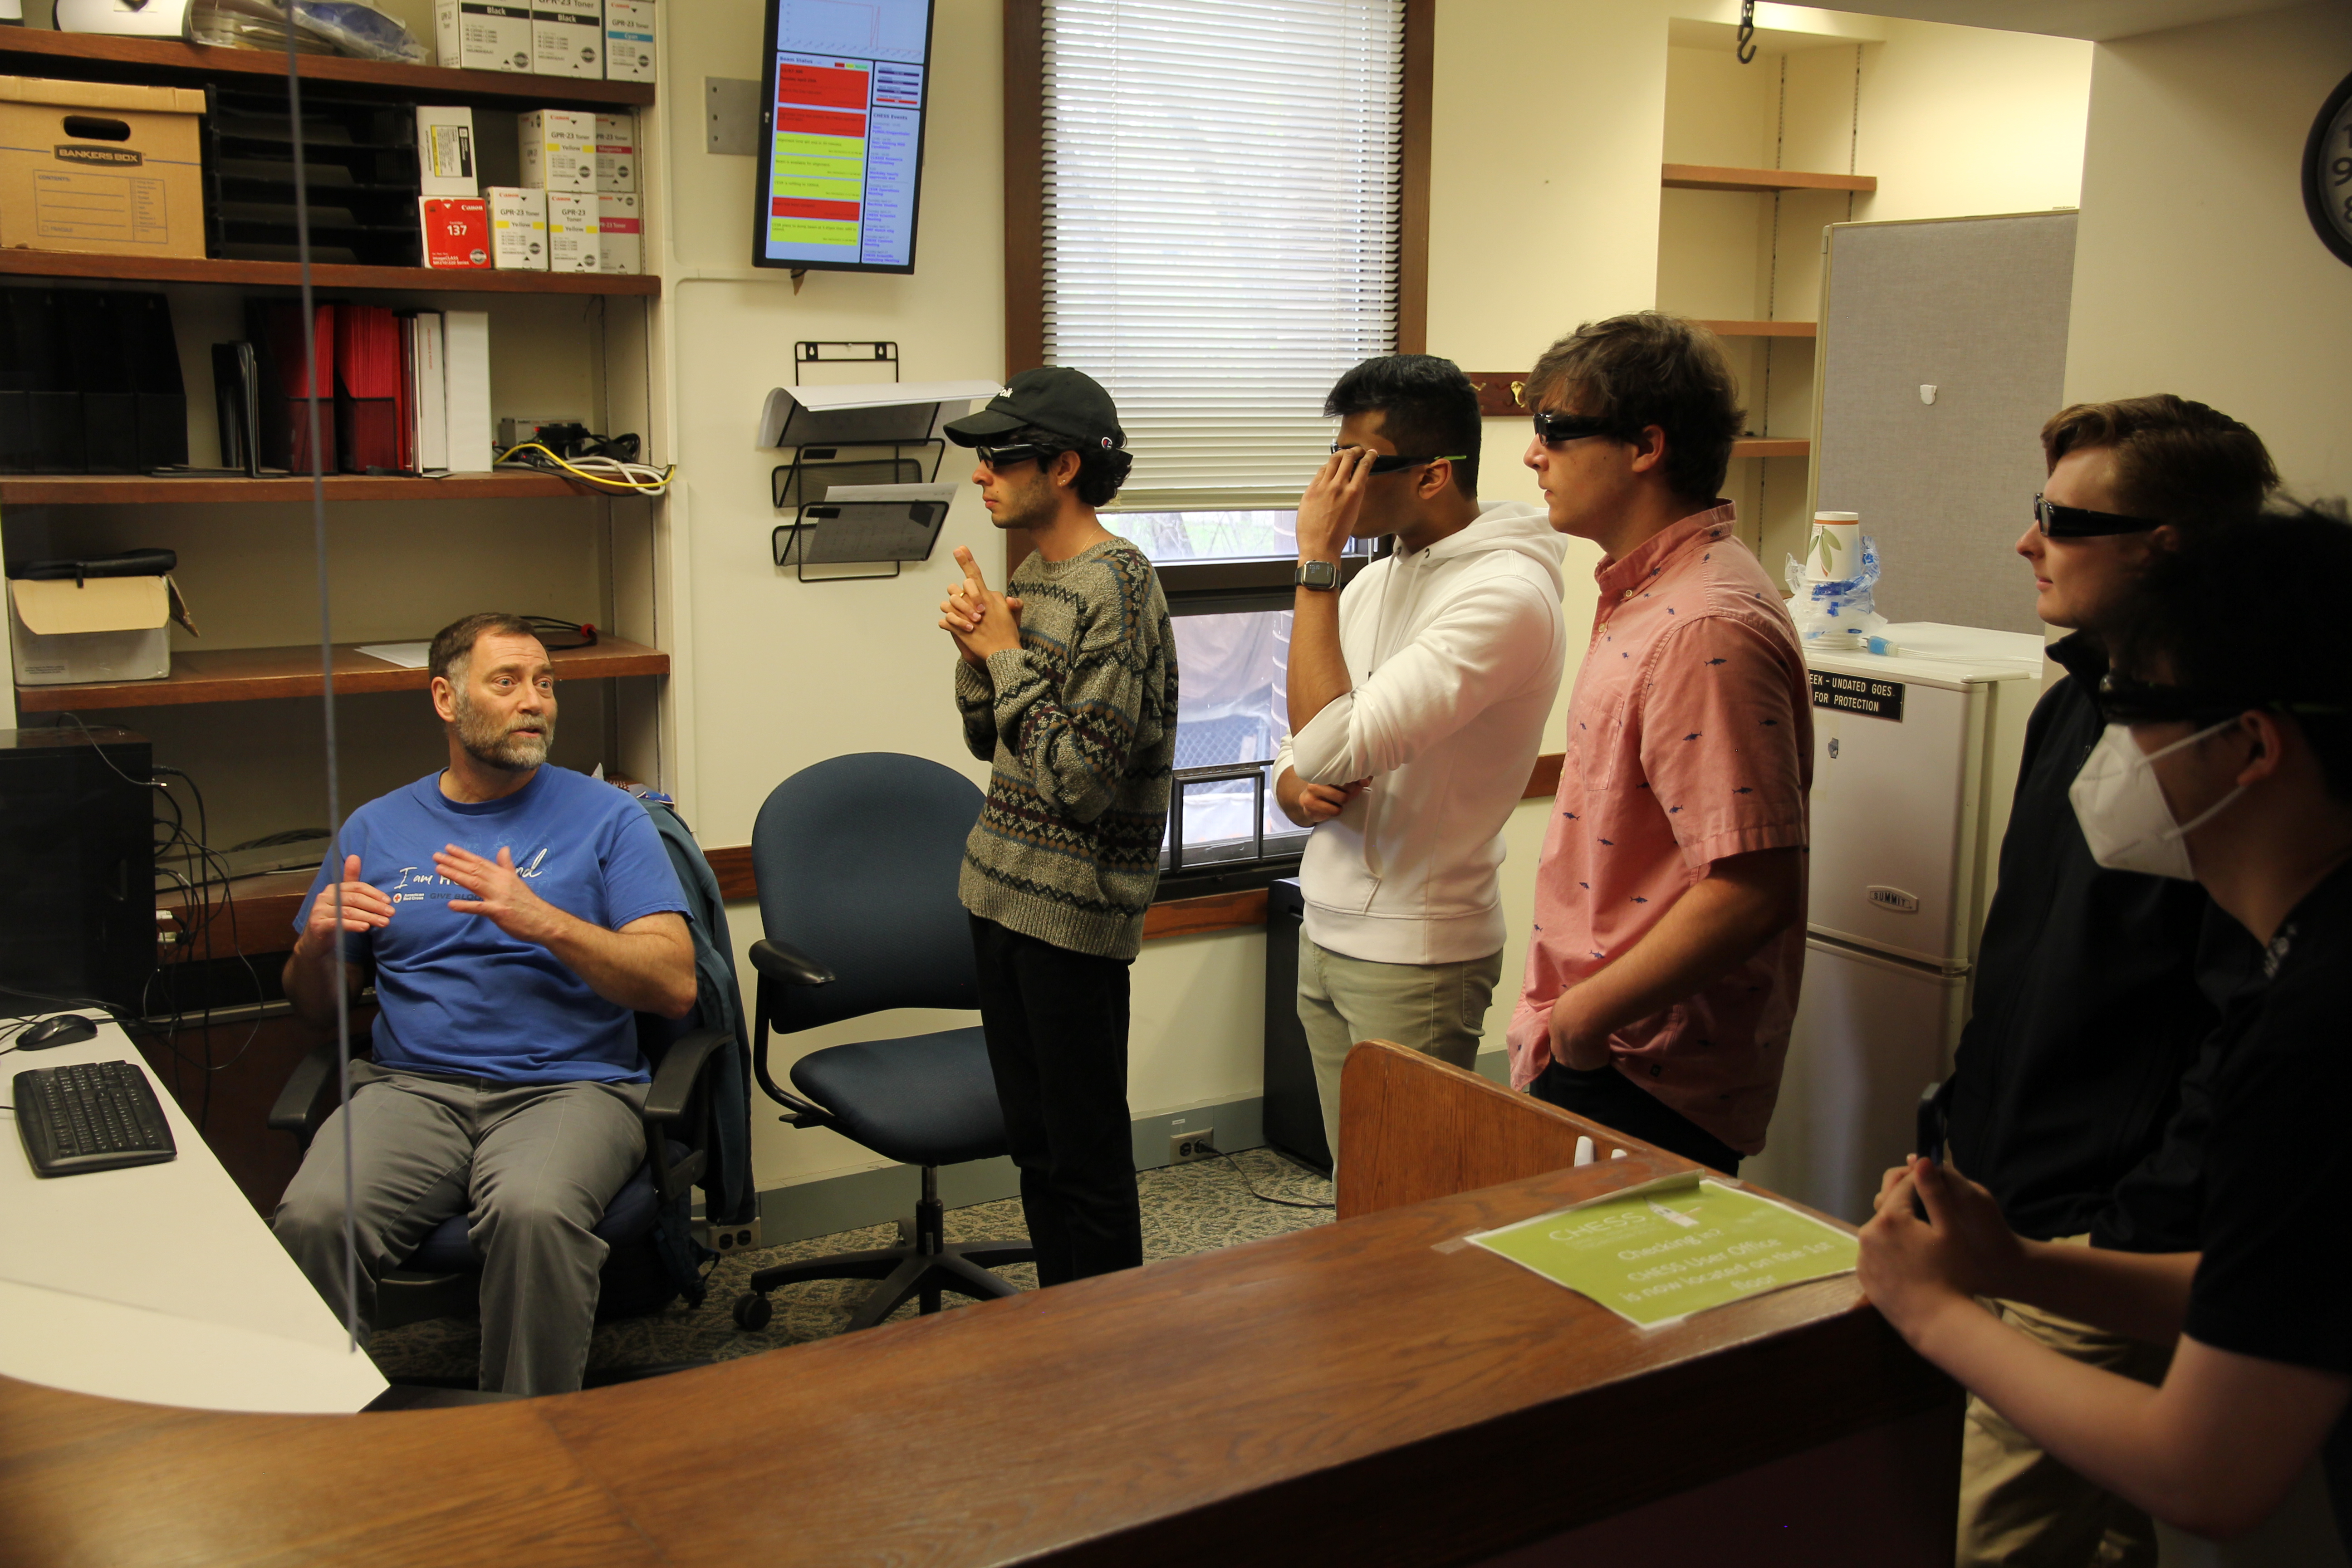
<point x="1670" y="901"/>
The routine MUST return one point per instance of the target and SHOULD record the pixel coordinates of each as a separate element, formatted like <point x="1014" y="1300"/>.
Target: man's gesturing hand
<point x="1327" y="512"/>
<point x="364" y="909"/>
<point x="981" y="621"/>
<point x="501" y="896"/>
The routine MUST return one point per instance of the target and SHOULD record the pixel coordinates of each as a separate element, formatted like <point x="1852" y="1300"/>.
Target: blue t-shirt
<point x="457" y="994"/>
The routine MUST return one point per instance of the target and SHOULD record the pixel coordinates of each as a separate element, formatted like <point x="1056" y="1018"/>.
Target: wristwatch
<point x="1321" y="575"/>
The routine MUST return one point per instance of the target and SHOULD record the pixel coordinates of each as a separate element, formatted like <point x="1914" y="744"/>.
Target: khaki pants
<point x="1438" y="1009"/>
<point x="2021" y="1509"/>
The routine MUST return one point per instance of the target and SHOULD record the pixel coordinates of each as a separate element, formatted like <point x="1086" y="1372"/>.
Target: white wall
<point x="2197" y="271"/>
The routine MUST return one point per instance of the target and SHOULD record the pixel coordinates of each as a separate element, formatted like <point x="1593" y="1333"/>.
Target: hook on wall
<point x="1746" y="49"/>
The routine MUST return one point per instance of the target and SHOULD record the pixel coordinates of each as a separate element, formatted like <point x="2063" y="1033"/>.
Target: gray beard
<point x="502" y="749"/>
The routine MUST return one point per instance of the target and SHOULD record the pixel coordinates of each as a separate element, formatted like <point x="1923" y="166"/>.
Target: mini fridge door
<point x="1870" y="1034"/>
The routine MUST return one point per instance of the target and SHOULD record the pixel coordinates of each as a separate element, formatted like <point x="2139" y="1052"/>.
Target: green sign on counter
<point x="1659" y="1252"/>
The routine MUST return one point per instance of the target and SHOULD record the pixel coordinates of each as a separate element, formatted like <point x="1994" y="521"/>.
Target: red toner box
<point x="456" y="231"/>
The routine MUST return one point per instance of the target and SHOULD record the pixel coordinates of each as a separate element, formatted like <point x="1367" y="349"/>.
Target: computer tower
<point x="76" y="868"/>
<point x="1292" y="1115"/>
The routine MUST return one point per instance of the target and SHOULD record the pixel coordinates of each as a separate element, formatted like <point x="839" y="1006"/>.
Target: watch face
<point x="2327" y="172"/>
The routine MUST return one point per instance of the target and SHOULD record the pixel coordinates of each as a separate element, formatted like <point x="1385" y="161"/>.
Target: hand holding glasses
<point x="1397" y="462"/>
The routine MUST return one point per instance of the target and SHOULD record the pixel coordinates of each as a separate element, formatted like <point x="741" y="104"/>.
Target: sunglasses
<point x="1556" y="429"/>
<point x="1396" y="462"/>
<point x="2079" y="522"/>
<point x="2122" y="701"/>
<point x="1002" y="457"/>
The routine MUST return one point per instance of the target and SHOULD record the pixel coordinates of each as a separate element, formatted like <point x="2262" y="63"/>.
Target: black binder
<point x="52" y="397"/>
<point x="101" y="371"/>
<point x="153" y="356"/>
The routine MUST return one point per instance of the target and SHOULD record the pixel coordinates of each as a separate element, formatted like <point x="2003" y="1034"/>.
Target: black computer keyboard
<point x="89" y="1116"/>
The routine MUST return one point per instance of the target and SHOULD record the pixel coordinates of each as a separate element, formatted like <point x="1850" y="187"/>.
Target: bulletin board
<point x="1977" y="308"/>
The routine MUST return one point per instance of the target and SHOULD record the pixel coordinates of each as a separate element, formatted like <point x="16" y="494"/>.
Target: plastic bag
<point x="1837" y="614"/>
<point x="341" y="27"/>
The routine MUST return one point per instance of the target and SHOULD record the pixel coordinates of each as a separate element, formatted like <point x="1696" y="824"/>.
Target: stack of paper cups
<point x="1834" y="552"/>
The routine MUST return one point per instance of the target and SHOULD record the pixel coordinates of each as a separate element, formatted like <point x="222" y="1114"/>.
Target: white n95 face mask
<point x="2121" y="805"/>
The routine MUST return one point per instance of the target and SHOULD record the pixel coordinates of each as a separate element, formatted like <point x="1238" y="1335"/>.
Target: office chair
<point x="697" y="1125"/>
<point x="856" y="859"/>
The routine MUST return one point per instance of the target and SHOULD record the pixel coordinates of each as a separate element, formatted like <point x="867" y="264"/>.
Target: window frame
<point x="1207" y="587"/>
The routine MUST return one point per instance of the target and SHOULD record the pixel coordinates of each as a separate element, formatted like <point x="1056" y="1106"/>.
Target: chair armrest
<point x="681" y="1068"/>
<point x="781" y="961"/>
<point x="296" y="1111"/>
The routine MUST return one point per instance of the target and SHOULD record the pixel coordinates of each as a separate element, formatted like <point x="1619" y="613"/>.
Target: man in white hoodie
<point x="1417" y="701"/>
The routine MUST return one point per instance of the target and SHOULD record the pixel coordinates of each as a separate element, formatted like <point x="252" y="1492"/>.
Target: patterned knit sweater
<point x="1080" y="726"/>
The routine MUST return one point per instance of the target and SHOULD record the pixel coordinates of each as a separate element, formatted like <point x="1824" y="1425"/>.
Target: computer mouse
<point x="66" y="1029"/>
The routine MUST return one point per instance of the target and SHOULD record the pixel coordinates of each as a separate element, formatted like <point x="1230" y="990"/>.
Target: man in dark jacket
<point x="2094" y="989"/>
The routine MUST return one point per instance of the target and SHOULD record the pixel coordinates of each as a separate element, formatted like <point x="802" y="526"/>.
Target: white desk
<point x="159" y="1283"/>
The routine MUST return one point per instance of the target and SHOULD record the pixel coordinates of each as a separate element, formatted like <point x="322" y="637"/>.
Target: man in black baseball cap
<point x="1069" y="689"/>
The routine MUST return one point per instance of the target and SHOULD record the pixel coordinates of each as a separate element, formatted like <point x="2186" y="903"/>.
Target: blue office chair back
<point x="856" y="859"/>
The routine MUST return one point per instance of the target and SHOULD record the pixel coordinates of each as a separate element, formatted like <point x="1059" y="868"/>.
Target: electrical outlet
<point x="723" y="1239"/>
<point x="1198" y="1143"/>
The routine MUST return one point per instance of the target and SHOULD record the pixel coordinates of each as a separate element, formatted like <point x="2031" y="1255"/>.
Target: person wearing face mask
<point x="1417" y="697"/>
<point x="2095" y="986"/>
<point x="1067" y="688"/>
<point x="2226" y="755"/>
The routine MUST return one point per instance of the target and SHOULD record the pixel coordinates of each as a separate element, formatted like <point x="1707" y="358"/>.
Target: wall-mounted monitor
<point x="842" y="158"/>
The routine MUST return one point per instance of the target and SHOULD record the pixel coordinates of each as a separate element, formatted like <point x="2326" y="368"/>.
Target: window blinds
<point x="1221" y="205"/>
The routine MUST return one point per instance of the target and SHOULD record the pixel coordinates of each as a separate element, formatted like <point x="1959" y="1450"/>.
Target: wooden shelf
<point x="93" y="56"/>
<point x="1762" y="329"/>
<point x="1770" y="447"/>
<point x="253" y="674"/>
<point x="25" y="263"/>
<point x="1709" y="177"/>
<point x="95" y="489"/>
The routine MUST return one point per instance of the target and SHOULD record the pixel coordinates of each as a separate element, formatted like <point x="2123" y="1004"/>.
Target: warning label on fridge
<point x="1858" y="694"/>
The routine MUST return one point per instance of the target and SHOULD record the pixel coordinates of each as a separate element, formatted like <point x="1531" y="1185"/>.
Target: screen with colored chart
<point x="843" y="158"/>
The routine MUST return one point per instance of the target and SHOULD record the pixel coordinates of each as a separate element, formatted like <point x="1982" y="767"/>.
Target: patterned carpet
<point x="1191" y="1208"/>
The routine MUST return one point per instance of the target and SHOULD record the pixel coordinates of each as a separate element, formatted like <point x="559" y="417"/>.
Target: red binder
<point x="275" y="327"/>
<point x="367" y="388"/>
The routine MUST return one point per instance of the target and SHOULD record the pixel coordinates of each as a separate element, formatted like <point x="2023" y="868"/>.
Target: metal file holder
<point x="895" y="531"/>
<point x="817" y="465"/>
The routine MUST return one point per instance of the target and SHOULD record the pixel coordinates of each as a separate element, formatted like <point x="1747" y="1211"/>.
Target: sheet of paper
<point x="407" y="655"/>
<point x="1661" y="1251"/>
<point x="943" y="494"/>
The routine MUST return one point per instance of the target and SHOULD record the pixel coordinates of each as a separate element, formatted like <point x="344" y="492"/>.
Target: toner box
<point x="629" y="40"/>
<point x="620" y="232"/>
<point x="457" y="232"/>
<point x="517" y="228"/>
<point x="559" y="149"/>
<point x="567" y="37"/>
<point x="572" y="232"/>
<point x="616" y="152"/>
<point x="445" y="152"/>
<point x="479" y="34"/>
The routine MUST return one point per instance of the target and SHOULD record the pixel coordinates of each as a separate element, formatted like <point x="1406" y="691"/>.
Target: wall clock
<point x="2327" y="172"/>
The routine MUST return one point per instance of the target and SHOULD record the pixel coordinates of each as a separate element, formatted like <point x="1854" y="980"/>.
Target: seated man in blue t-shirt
<point x="515" y="916"/>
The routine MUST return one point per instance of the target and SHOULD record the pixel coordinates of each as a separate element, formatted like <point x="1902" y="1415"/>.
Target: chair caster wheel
<point x="752" y="1312"/>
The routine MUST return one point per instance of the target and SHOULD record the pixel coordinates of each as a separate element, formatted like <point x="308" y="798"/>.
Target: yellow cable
<point x="587" y="478"/>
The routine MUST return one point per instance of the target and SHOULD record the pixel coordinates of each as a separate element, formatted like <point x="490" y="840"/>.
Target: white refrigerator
<point x="1915" y="760"/>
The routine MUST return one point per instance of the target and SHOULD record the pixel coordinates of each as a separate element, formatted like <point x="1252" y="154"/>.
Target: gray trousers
<point x="533" y="1165"/>
<point x="1437" y="1009"/>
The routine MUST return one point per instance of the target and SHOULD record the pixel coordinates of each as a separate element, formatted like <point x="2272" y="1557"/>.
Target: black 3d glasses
<point x="2079" y="522"/>
<point x="1000" y="458"/>
<point x="1397" y="462"/>
<point x="1554" y="429"/>
<point x="2122" y="701"/>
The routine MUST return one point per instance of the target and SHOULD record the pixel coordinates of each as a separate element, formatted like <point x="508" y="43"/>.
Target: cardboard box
<point x="616" y="152"/>
<point x="620" y="232"/>
<point x="136" y="190"/>
<point x="559" y="149"/>
<point x="629" y="40"/>
<point x="518" y="229"/>
<point x="567" y="37"/>
<point x="478" y="35"/>
<point x="457" y="232"/>
<point x="572" y="232"/>
<point x="65" y="632"/>
<point x="445" y="152"/>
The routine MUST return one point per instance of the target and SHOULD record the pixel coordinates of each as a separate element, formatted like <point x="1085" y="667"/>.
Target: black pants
<point x="1057" y="1027"/>
<point x="1608" y="1097"/>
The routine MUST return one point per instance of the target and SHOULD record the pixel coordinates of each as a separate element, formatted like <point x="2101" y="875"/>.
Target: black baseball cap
<point x="1069" y="403"/>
